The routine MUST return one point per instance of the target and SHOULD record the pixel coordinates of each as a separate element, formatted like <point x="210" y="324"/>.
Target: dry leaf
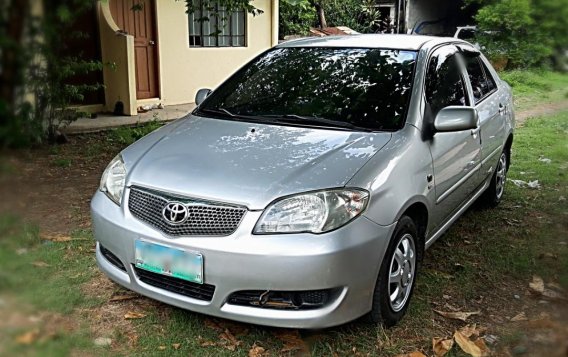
<point x="441" y="346"/>
<point x="230" y="341"/>
<point x="519" y="317"/>
<point x="458" y="315"/>
<point x="123" y="297"/>
<point x="176" y="346"/>
<point x="56" y="237"/>
<point x="412" y="354"/>
<point x="208" y="344"/>
<point x="134" y="315"/>
<point x="470" y="330"/>
<point x="537" y="285"/>
<point x="482" y="346"/>
<point x="27" y="338"/>
<point x="213" y="325"/>
<point x="467" y="345"/>
<point x="161" y="348"/>
<point x="553" y="295"/>
<point x="256" y="351"/>
<point x="292" y="341"/>
<point x="40" y="264"/>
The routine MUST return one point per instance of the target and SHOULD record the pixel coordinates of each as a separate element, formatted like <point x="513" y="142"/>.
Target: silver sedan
<point x="305" y="189"/>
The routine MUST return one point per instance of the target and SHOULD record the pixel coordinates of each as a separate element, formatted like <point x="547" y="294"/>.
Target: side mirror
<point x="456" y="118"/>
<point x="201" y="95"/>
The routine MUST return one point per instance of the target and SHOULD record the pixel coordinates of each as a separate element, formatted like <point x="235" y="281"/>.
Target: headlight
<point x="113" y="179"/>
<point x="315" y="212"/>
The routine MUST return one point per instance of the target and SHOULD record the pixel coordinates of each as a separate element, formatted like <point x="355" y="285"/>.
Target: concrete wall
<point x="117" y="52"/>
<point x="184" y="70"/>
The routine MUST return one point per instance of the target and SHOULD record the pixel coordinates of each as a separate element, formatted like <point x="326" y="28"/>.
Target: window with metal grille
<point x="210" y="25"/>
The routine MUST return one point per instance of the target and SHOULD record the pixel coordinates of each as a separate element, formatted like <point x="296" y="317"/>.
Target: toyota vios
<point x="304" y="190"/>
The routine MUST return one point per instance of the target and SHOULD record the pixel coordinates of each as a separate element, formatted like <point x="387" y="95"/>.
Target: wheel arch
<point x="507" y="149"/>
<point x="418" y="212"/>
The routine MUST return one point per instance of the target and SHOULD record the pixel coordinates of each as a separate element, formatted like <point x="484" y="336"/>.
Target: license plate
<point x="177" y="263"/>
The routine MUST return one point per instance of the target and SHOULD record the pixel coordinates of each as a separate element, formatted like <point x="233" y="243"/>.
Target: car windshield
<point x="349" y="88"/>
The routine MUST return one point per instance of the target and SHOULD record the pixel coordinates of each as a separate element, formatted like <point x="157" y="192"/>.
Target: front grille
<point x="113" y="259"/>
<point x="179" y="286"/>
<point x="204" y="218"/>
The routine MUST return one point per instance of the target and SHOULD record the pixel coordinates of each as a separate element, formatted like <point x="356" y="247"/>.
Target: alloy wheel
<point x="402" y="271"/>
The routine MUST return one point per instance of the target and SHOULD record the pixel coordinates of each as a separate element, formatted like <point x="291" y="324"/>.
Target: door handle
<point x="152" y="43"/>
<point x="502" y="108"/>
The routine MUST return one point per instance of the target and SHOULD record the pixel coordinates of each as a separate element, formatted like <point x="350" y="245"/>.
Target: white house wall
<point x="184" y="70"/>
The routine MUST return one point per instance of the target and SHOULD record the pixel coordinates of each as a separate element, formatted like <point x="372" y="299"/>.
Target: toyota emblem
<point x="175" y="213"/>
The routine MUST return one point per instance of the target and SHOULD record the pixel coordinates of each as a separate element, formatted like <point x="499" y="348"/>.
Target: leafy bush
<point x="528" y="33"/>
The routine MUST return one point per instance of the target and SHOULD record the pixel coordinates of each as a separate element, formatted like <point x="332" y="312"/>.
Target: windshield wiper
<point x="226" y="113"/>
<point x="315" y="121"/>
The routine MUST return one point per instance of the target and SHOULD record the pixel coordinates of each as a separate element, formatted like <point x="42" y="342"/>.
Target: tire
<point x="494" y="193"/>
<point x="403" y="252"/>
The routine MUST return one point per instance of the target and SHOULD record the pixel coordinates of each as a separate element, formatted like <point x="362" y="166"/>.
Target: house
<point x="427" y="17"/>
<point x="155" y="52"/>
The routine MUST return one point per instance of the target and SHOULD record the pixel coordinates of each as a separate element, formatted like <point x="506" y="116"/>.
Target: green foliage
<point x="526" y="32"/>
<point x="35" y="95"/>
<point x="296" y="18"/>
<point x="229" y="5"/>
<point x="128" y="135"/>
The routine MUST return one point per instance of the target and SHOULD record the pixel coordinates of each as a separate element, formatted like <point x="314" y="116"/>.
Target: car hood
<point x="246" y="163"/>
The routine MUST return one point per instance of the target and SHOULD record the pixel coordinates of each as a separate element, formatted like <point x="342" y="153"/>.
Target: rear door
<point x="491" y="108"/>
<point x="456" y="155"/>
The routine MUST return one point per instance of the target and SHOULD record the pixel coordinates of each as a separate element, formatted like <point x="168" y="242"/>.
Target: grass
<point x="485" y="259"/>
<point x="41" y="278"/>
<point x="532" y="87"/>
<point x="128" y="135"/>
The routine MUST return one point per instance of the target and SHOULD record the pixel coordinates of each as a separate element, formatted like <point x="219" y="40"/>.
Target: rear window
<point x="367" y="88"/>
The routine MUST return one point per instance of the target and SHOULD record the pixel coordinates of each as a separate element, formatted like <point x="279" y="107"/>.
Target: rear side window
<point x="444" y="83"/>
<point x="481" y="81"/>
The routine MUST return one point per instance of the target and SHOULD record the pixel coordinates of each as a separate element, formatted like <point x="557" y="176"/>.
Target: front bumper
<point x="347" y="259"/>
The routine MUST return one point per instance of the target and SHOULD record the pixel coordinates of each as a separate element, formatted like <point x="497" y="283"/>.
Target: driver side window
<point x="444" y="82"/>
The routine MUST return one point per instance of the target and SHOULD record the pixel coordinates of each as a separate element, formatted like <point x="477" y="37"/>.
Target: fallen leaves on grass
<point x="229" y="341"/>
<point x="519" y="317"/>
<point x="538" y="288"/>
<point x="441" y="346"/>
<point x="55" y="237"/>
<point x="256" y="351"/>
<point x="412" y="354"/>
<point x="123" y="297"/>
<point x="176" y="346"/>
<point x="458" y="315"/>
<point x="476" y="348"/>
<point x="40" y="264"/>
<point x="472" y="330"/>
<point x="130" y="315"/>
<point x="28" y="338"/>
<point x="292" y="342"/>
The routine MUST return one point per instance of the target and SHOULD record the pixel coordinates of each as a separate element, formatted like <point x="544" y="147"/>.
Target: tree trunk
<point x="11" y="54"/>
<point x="320" y="12"/>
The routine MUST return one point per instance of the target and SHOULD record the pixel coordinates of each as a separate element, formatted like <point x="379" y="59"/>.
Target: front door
<point x="137" y="18"/>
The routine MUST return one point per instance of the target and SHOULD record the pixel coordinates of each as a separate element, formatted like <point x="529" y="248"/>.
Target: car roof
<point x="398" y="42"/>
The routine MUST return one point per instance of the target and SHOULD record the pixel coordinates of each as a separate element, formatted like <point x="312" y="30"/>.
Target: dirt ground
<point x="55" y="193"/>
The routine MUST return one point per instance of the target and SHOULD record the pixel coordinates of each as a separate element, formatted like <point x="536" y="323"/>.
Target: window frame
<point x="484" y="70"/>
<point x="228" y="23"/>
<point x="461" y="64"/>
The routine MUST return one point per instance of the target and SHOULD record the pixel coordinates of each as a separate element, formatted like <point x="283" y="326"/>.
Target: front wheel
<point x="397" y="275"/>
<point x="494" y="192"/>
